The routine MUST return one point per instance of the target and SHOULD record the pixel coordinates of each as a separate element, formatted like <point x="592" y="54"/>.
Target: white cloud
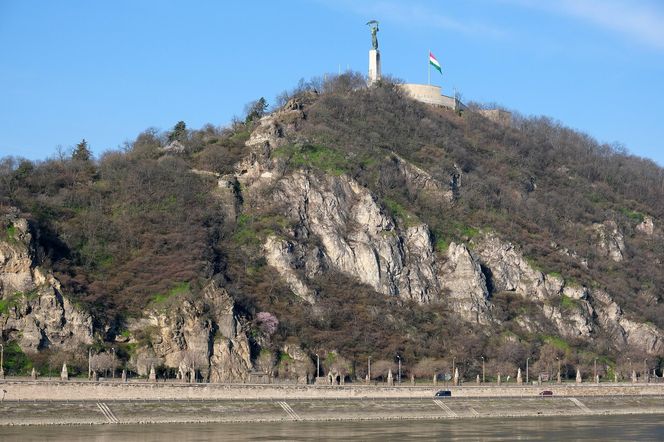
<point x="637" y="19"/>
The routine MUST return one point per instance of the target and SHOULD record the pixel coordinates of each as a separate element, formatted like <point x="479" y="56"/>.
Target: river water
<point x="586" y="428"/>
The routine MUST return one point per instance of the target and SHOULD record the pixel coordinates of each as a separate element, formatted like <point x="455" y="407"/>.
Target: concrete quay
<point x="73" y="390"/>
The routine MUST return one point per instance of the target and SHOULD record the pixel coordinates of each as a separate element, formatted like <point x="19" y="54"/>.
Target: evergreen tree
<point x="179" y="132"/>
<point x="82" y="152"/>
<point x="256" y="109"/>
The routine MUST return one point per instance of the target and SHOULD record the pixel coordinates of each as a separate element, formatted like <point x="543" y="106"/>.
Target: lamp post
<point x="2" y="361"/>
<point x="558" y="359"/>
<point x="399" y="358"/>
<point x="89" y="363"/>
<point x="113" y="361"/>
<point x="369" y="369"/>
<point x="630" y="366"/>
<point x="482" y="369"/>
<point x="317" y="366"/>
<point x="645" y="370"/>
<point x="453" y="366"/>
<point x="527" y="360"/>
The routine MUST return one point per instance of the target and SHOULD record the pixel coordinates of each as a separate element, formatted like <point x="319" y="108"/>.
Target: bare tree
<point x="191" y="362"/>
<point x="426" y="367"/>
<point x="381" y="367"/>
<point x="102" y="362"/>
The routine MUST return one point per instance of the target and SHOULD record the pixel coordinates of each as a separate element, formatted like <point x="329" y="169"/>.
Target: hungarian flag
<point x="433" y="62"/>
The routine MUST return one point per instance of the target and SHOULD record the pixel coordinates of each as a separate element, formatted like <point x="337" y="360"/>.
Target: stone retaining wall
<point x="84" y="390"/>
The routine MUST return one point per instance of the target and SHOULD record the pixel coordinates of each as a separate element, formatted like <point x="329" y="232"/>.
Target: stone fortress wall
<point x="430" y="94"/>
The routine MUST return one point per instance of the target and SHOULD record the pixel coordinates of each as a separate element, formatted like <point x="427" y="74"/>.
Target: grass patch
<point x="442" y="245"/>
<point x="252" y="230"/>
<point x="316" y="156"/>
<point x="557" y="342"/>
<point x="568" y="303"/>
<point x="399" y="212"/>
<point x="469" y="232"/>
<point x="179" y="289"/>
<point x="11" y="231"/>
<point x="633" y="215"/>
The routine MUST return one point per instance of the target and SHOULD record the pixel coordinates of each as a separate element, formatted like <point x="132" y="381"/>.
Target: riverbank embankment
<point x="75" y="390"/>
<point x="307" y="410"/>
<point x="84" y="402"/>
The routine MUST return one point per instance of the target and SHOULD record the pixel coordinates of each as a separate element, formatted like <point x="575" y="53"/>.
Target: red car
<point x="546" y="393"/>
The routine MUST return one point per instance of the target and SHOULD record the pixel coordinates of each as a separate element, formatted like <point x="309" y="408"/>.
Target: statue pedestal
<point x="374" y="66"/>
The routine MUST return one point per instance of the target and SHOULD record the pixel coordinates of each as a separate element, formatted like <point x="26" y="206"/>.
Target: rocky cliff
<point x="33" y="310"/>
<point x="201" y="335"/>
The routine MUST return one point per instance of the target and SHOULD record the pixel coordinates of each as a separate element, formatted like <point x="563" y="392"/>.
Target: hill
<point x="351" y="222"/>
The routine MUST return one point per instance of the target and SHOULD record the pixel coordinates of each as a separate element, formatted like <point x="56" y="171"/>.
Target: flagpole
<point x="429" y="64"/>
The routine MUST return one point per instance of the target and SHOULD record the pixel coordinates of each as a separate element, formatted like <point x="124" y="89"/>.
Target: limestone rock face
<point x="15" y="258"/>
<point x="642" y="335"/>
<point x="423" y="181"/>
<point x="273" y="131"/>
<point x="571" y="322"/>
<point x="287" y="257"/>
<point x="625" y="331"/>
<point x="35" y="312"/>
<point x="356" y="237"/>
<point x="466" y="284"/>
<point x="610" y="240"/>
<point x="201" y="334"/>
<point x="585" y="312"/>
<point x="297" y="366"/>
<point x="647" y="226"/>
<point x="510" y="272"/>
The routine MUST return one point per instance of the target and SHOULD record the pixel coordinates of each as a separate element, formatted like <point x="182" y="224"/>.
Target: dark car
<point x="443" y="393"/>
<point x="546" y="393"/>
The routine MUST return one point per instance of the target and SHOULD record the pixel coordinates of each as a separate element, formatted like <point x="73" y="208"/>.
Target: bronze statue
<point x="374" y="30"/>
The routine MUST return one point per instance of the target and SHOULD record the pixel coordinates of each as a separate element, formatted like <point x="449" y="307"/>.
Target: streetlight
<point x="527" y="359"/>
<point x="645" y="370"/>
<point x="89" y="363"/>
<point x="113" y="363"/>
<point x="399" y="358"/>
<point x="2" y="361"/>
<point x="558" y="359"/>
<point x="453" y="360"/>
<point x="482" y="369"/>
<point x="369" y="370"/>
<point x="317" y="366"/>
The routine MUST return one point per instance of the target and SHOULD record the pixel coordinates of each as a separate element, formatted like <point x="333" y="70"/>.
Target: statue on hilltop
<point x="374" y="30"/>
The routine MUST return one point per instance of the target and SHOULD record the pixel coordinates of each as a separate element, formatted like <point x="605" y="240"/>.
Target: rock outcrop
<point x="610" y="240"/>
<point x="356" y="237"/>
<point x="203" y="335"/>
<point x="465" y="284"/>
<point x="33" y="310"/>
<point x="575" y="312"/>
<point x="423" y="181"/>
<point x="647" y="226"/>
<point x="510" y="272"/>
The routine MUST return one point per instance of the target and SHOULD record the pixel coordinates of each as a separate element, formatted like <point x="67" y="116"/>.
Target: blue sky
<point x="107" y="70"/>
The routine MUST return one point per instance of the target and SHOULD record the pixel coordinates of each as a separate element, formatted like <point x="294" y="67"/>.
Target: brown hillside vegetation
<point x="144" y="224"/>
